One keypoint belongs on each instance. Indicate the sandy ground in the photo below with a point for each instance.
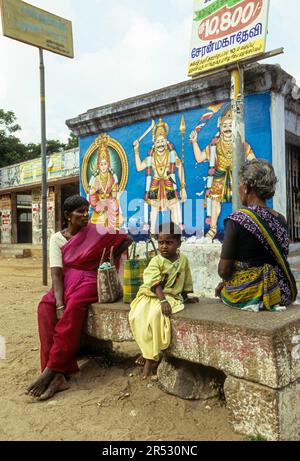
(106, 402)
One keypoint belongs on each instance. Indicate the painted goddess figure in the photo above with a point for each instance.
(161, 189)
(219, 155)
(103, 191)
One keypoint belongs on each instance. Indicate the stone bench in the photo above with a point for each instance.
(259, 354)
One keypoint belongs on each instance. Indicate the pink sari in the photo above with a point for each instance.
(81, 255)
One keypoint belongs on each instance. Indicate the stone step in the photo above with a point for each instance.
(294, 248)
(15, 253)
(17, 246)
(294, 260)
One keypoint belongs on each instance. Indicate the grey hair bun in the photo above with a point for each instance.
(258, 176)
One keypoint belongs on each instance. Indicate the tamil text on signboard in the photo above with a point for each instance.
(28, 24)
(226, 31)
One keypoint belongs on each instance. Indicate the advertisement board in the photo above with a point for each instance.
(226, 31)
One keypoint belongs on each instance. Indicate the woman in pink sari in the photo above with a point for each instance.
(75, 253)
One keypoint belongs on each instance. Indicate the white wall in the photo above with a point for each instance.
(278, 151)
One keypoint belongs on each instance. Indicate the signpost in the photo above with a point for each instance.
(228, 33)
(31, 25)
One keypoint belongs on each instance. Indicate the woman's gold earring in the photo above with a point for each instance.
(69, 219)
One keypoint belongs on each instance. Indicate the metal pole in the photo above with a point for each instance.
(44, 165)
(238, 132)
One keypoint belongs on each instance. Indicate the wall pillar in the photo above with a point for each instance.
(58, 211)
(50, 211)
(260, 411)
(6, 219)
(14, 228)
(278, 151)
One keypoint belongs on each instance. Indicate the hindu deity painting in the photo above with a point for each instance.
(176, 166)
(219, 155)
(161, 164)
(104, 178)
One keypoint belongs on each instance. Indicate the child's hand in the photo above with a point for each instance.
(166, 309)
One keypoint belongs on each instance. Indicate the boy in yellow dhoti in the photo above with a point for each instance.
(167, 280)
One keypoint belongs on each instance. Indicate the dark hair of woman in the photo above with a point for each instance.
(71, 204)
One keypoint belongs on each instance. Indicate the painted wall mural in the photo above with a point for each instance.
(177, 167)
(104, 177)
(161, 164)
(218, 154)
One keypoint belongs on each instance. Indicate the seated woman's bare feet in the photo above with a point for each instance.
(58, 384)
(148, 368)
(140, 361)
(40, 385)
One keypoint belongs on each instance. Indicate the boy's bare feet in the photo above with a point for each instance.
(148, 368)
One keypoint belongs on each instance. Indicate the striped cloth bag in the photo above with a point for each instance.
(133, 272)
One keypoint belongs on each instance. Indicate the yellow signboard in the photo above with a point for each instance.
(29, 24)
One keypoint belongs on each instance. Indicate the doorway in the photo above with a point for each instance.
(293, 191)
(24, 218)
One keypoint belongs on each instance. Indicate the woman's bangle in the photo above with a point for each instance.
(163, 300)
(60, 307)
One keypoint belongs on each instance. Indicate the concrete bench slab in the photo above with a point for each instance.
(258, 352)
(260, 347)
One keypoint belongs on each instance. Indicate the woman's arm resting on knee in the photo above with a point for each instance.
(58, 288)
(225, 269)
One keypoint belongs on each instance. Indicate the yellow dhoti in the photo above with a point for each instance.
(151, 329)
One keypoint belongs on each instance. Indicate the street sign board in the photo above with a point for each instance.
(226, 31)
(31, 25)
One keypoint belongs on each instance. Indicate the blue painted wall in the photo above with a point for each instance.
(258, 135)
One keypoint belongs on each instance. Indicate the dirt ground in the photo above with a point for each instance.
(106, 402)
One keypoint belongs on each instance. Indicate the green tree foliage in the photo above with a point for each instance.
(12, 150)
(52, 146)
(72, 141)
